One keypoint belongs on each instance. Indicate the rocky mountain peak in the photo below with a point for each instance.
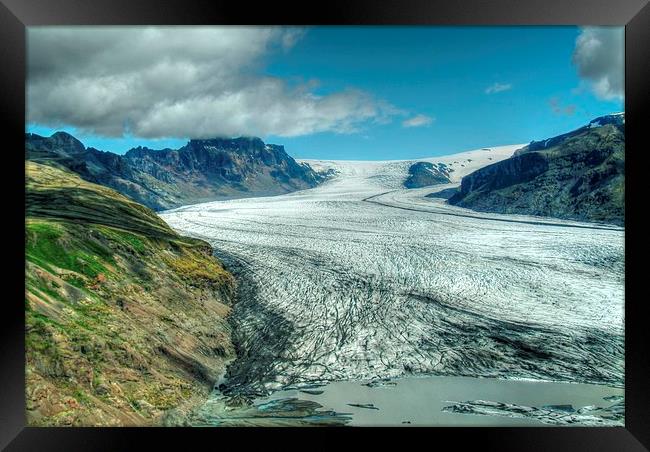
(232, 144)
(65, 139)
(61, 141)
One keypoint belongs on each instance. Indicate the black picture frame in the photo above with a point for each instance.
(15, 15)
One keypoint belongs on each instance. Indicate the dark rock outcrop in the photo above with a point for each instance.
(202, 170)
(579, 175)
(423, 174)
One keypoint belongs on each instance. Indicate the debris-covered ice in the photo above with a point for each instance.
(612, 415)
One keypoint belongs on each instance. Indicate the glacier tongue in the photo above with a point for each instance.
(334, 286)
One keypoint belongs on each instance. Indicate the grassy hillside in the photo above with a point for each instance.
(125, 319)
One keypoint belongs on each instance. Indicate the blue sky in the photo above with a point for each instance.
(460, 88)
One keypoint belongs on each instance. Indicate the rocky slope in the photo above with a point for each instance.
(125, 319)
(202, 170)
(423, 174)
(579, 175)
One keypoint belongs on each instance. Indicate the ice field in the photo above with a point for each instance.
(360, 279)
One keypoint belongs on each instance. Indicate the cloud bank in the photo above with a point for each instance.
(196, 82)
(599, 57)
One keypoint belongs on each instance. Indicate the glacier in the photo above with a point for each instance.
(361, 279)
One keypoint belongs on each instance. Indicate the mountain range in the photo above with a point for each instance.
(202, 170)
(578, 175)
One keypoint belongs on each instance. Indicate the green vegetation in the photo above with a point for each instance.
(57, 194)
(48, 245)
(121, 312)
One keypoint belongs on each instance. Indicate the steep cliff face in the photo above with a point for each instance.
(226, 167)
(512, 171)
(125, 319)
(202, 170)
(579, 175)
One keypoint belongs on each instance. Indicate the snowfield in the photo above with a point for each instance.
(360, 278)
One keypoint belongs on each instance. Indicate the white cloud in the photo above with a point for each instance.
(497, 88)
(599, 57)
(196, 82)
(418, 121)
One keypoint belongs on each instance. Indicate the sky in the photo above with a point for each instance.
(359, 93)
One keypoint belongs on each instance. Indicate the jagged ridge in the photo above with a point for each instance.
(202, 170)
